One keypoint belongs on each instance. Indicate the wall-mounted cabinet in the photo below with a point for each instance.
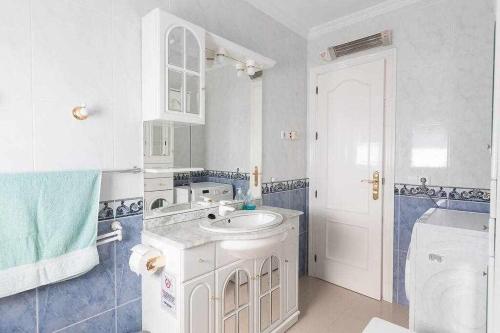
(173, 69)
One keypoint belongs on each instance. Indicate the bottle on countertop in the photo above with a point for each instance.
(248, 204)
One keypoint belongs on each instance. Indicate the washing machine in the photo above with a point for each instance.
(446, 272)
(198, 191)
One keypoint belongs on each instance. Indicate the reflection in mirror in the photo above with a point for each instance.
(175, 89)
(158, 203)
(175, 44)
(192, 94)
(157, 142)
(220, 148)
(192, 52)
(264, 277)
(265, 304)
(230, 295)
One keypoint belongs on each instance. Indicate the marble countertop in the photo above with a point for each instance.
(189, 234)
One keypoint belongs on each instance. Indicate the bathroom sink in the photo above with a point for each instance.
(243, 221)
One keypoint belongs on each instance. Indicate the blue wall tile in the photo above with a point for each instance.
(280, 199)
(67, 302)
(395, 275)
(396, 222)
(103, 323)
(298, 202)
(400, 283)
(410, 209)
(18, 312)
(266, 199)
(128, 284)
(129, 317)
(469, 206)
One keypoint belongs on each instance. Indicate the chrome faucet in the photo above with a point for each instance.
(224, 209)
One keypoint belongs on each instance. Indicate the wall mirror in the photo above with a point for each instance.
(193, 166)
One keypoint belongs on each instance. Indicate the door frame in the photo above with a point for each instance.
(389, 55)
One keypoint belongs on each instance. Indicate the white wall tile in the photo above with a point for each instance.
(16, 139)
(64, 143)
(72, 51)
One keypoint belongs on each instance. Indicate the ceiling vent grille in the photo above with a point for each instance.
(383, 38)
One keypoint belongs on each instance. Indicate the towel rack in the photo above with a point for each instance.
(132, 170)
(115, 235)
(151, 170)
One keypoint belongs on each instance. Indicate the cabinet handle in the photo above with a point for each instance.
(286, 260)
(201, 261)
(213, 298)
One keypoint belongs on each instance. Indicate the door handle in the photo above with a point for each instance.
(256, 175)
(375, 181)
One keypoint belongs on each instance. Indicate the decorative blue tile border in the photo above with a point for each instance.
(120, 208)
(443, 192)
(235, 175)
(284, 185)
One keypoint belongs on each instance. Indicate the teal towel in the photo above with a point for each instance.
(45, 215)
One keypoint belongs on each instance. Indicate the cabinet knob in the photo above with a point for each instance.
(201, 260)
(286, 260)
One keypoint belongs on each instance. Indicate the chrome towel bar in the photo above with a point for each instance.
(115, 235)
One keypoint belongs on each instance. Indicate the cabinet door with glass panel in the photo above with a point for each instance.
(234, 289)
(173, 73)
(269, 292)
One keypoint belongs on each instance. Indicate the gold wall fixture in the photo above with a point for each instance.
(80, 112)
(255, 175)
(375, 181)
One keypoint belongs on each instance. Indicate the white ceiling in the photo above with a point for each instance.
(302, 15)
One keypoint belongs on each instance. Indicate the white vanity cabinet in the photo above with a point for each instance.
(173, 69)
(215, 292)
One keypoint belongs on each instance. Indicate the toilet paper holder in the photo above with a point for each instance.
(155, 262)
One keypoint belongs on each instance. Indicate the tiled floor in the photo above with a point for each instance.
(325, 307)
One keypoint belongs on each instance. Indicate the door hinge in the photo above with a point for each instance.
(316, 136)
(316, 193)
(315, 258)
(316, 90)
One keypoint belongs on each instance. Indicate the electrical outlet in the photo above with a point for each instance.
(289, 135)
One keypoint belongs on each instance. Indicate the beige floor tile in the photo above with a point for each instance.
(326, 307)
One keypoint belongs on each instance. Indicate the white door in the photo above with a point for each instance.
(347, 225)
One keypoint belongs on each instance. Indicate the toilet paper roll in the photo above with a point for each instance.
(145, 259)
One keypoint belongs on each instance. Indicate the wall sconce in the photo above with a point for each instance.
(251, 67)
(240, 70)
(80, 112)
